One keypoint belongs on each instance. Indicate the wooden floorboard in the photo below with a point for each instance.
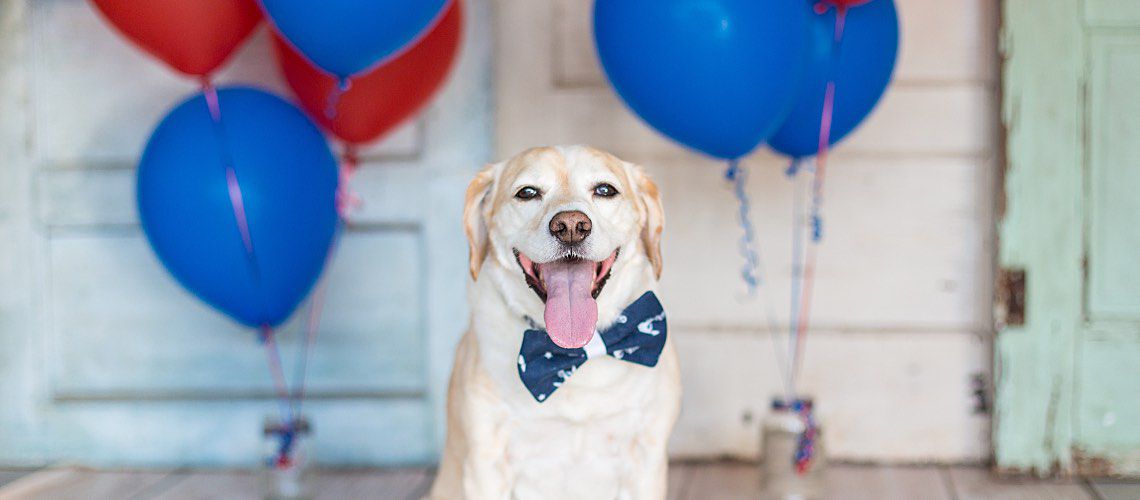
(680, 476)
(197, 485)
(977, 483)
(687, 481)
(72, 483)
(1115, 490)
(7, 476)
(385, 484)
(395, 484)
(864, 482)
(727, 481)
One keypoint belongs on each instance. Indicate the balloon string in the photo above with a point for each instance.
(211, 94)
(288, 419)
(233, 187)
(347, 201)
(747, 246)
(840, 16)
(802, 309)
(797, 272)
(237, 203)
(753, 268)
(840, 22)
(316, 310)
(803, 305)
(239, 208)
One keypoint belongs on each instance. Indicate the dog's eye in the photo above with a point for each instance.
(527, 193)
(605, 190)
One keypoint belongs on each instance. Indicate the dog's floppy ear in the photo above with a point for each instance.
(650, 199)
(474, 224)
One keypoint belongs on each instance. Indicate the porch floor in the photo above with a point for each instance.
(696, 481)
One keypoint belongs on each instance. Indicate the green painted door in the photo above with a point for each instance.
(1068, 368)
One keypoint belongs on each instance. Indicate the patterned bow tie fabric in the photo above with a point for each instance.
(637, 336)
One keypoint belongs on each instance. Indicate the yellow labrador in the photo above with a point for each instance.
(565, 256)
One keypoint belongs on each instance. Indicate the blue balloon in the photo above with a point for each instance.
(346, 37)
(288, 180)
(716, 75)
(861, 64)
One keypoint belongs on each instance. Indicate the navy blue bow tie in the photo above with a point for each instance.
(637, 336)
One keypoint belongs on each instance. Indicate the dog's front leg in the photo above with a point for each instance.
(475, 463)
(487, 471)
(477, 473)
(648, 479)
(487, 476)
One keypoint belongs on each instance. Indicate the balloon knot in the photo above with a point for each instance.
(793, 168)
(732, 171)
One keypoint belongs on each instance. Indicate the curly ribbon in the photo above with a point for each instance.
(805, 446)
(747, 245)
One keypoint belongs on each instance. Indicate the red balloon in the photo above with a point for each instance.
(193, 36)
(378, 100)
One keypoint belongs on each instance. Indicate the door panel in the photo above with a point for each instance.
(106, 360)
(1114, 177)
(1112, 12)
(1108, 417)
(123, 327)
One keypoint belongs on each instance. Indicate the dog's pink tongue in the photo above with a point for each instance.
(571, 313)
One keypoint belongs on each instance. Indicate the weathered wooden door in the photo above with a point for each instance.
(104, 359)
(1068, 353)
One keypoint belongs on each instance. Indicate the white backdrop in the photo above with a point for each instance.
(902, 310)
(103, 359)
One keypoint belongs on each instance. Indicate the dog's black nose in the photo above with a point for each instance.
(570, 227)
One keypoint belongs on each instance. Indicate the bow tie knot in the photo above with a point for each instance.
(637, 336)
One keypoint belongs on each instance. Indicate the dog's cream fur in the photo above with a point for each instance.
(603, 434)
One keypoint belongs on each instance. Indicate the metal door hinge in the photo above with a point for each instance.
(1009, 298)
(980, 389)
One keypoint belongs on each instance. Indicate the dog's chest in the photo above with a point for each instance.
(588, 456)
(597, 424)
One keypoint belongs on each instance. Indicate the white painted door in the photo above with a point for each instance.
(902, 311)
(104, 359)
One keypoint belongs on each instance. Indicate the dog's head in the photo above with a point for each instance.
(562, 221)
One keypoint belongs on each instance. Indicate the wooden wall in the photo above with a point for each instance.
(902, 313)
(902, 317)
